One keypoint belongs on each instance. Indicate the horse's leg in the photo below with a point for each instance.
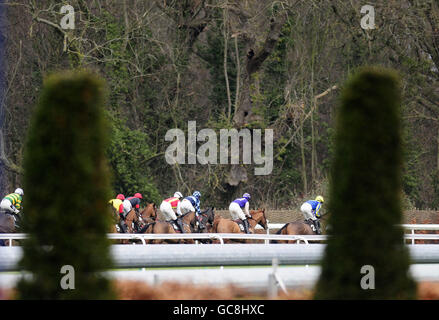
(157, 229)
(236, 229)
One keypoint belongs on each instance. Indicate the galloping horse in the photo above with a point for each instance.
(294, 228)
(149, 213)
(147, 217)
(135, 221)
(207, 218)
(132, 221)
(7, 225)
(188, 219)
(189, 224)
(223, 225)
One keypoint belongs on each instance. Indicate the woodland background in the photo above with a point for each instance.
(226, 64)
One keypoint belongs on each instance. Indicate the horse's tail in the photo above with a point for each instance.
(279, 232)
(143, 230)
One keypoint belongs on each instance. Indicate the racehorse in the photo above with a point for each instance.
(207, 218)
(189, 221)
(149, 213)
(294, 228)
(223, 225)
(136, 220)
(7, 225)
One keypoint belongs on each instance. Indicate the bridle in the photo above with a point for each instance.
(266, 220)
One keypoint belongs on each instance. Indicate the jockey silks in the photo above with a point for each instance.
(15, 199)
(117, 204)
(173, 201)
(241, 202)
(195, 202)
(315, 207)
(135, 202)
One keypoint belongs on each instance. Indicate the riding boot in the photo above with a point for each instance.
(317, 226)
(201, 225)
(123, 226)
(311, 224)
(180, 225)
(246, 226)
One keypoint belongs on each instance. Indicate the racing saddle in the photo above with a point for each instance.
(242, 226)
(315, 225)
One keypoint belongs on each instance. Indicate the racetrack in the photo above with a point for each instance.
(253, 280)
(244, 266)
(184, 255)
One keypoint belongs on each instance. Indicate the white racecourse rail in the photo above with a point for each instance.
(266, 237)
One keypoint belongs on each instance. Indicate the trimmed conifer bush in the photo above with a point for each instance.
(365, 194)
(66, 182)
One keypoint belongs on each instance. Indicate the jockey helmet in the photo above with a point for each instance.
(138, 195)
(247, 196)
(19, 191)
(120, 196)
(320, 199)
(197, 194)
(178, 194)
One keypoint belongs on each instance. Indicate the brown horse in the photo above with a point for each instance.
(149, 213)
(294, 228)
(7, 225)
(146, 217)
(223, 225)
(207, 218)
(189, 225)
(136, 220)
(133, 222)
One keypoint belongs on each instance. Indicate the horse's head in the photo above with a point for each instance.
(150, 212)
(210, 215)
(259, 217)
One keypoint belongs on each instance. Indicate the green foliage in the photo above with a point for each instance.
(162, 73)
(67, 189)
(365, 193)
(213, 54)
(435, 183)
(274, 76)
(128, 155)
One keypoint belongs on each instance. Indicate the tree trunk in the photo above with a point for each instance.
(225, 34)
(244, 114)
(302, 153)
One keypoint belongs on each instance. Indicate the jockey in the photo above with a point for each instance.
(117, 203)
(311, 211)
(127, 207)
(12, 202)
(192, 204)
(135, 201)
(236, 211)
(169, 207)
(118, 206)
